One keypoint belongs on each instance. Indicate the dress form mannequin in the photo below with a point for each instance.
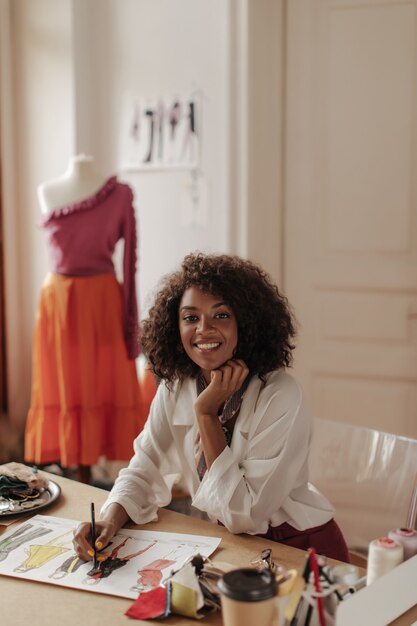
(79, 182)
(86, 402)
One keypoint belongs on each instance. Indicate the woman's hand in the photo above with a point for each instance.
(224, 382)
(114, 518)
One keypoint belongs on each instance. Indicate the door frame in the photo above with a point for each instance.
(257, 121)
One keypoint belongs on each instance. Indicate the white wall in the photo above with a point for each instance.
(72, 63)
(65, 69)
(37, 116)
(158, 48)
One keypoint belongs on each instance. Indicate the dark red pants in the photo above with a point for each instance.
(327, 539)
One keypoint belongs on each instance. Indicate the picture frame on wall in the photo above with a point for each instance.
(160, 133)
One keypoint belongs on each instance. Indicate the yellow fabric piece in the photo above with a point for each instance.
(285, 586)
(294, 598)
(183, 600)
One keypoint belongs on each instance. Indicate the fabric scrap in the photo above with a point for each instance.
(150, 604)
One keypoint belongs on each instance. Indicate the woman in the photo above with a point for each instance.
(227, 418)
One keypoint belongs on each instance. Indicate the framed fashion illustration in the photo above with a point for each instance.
(160, 133)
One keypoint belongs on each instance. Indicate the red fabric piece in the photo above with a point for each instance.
(149, 605)
(327, 539)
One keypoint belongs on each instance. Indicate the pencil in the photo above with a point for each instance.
(93, 535)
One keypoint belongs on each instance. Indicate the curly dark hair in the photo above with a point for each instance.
(266, 325)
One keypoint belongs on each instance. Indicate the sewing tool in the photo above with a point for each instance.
(93, 535)
(358, 585)
(383, 555)
(264, 560)
(407, 537)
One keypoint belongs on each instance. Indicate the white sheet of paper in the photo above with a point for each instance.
(41, 549)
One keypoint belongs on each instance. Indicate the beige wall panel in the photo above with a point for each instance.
(363, 316)
(369, 131)
(350, 200)
(352, 358)
(380, 272)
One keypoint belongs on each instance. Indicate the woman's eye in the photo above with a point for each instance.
(190, 318)
(222, 316)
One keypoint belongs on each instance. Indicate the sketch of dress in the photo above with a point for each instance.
(190, 135)
(39, 555)
(69, 566)
(151, 575)
(19, 537)
(107, 567)
(41, 549)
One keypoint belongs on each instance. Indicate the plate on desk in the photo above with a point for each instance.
(46, 497)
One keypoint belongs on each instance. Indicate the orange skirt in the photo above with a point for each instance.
(86, 399)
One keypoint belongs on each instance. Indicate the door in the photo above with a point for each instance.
(351, 207)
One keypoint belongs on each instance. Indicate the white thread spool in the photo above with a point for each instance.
(345, 574)
(408, 539)
(384, 554)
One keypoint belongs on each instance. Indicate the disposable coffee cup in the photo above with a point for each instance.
(248, 597)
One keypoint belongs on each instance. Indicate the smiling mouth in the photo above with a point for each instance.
(208, 346)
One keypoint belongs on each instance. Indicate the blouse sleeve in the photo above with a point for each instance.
(245, 494)
(131, 315)
(146, 484)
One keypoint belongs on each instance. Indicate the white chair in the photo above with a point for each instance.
(368, 476)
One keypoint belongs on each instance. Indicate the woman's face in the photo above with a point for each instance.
(208, 329)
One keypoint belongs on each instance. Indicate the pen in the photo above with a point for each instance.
(93, 535)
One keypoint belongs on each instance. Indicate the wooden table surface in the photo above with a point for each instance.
(29, 603)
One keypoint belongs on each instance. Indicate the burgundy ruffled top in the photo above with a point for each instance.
(81, 239)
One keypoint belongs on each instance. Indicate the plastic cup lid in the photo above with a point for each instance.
(248, 585)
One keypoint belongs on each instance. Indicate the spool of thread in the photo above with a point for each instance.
(408, 539)
(345, 574)
(384, 554)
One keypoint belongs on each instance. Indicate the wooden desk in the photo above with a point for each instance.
(28, 603)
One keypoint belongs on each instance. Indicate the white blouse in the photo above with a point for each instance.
(260, 480)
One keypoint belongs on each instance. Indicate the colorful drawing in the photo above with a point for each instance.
(18, 538)
(151, 575)
(138, 560)
(160, 133)
(40, 554)
(67, 567)
(105, 568)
